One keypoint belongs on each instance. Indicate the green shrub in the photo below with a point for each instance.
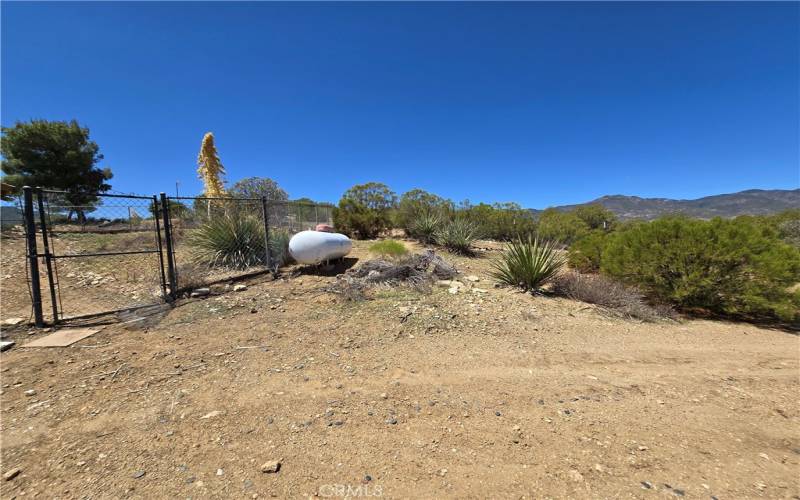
(417, 203)
(562, 227)
(232, 241)
(585, 254)
(425, 227)
(736, 267)
(457, 236)
(389, 248)
(365, 210)
(501, 221)
(528, 263)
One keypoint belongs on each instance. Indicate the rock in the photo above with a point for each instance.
(384, 396)
(13, 321)
(271, 467)
(391, 420)
(479, 290)
(139, 474)
(6, 345)
(200, 292)
(30, 392)
(472, 278)
(643, 448)
(212, 414)
(239, 288)
(442, 472)
(8, 476)
(220, 472)
(453, 290)
(764, 456)
(646, 485)
(575, 476)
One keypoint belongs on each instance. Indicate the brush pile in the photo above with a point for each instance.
(417, 271)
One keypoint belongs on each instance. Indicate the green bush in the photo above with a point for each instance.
(735, 267)
(501, 221)
(389, 248)
(457, 236)
(562, 227)
(586, 253)
(417, 203)
(528, 263)
(231, 241)
(365, 210)
(425, 227)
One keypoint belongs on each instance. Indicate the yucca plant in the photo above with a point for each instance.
(231, 241)
(424, 228)
(528, 263)
(457, 236)
(279, 248)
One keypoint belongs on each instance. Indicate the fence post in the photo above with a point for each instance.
(160, 251)
(173, 281)
(265, 211)
(33, 262)
(48, 257)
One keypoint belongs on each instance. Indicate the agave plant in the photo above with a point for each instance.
(458, 236)
(231, 241)
(528, 263)
(425, 227)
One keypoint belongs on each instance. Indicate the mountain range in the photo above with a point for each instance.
(750, 202)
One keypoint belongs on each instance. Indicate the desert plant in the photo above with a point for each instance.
(528, 263)
(586, 253)
(364, 210)
(232, 241)
(457, 236)
(612, 295)
(425, 226)
(736, 267)
(279, 248)
(389, 248)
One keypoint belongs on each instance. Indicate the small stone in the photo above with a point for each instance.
(271, 467)
(764, 456)
(220, 472)
(367, 478)
(212, 414)
(442, 472)
(575, 476)
(646, 485)
(643, 448)
(8, 476)
(13, 321)
(472, 278)
(391, 420)
(239, 288)
(30, 392)
(384, 396)
(497, 413)
(200, 292)
(138, 474)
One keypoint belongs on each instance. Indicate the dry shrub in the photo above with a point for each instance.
(416, 271)
(612, 295)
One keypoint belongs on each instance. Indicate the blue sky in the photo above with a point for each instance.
(539, 103)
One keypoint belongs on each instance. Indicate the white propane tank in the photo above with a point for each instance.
(313, 247)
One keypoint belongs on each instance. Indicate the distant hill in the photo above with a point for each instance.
(750, 202)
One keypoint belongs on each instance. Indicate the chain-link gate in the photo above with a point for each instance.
(92, 254)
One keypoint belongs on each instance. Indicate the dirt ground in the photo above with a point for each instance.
(484, 393)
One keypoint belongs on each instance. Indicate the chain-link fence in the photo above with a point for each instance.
(91, 254)
(217, 239)
(97, 253)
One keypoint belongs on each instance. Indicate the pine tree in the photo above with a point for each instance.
(210, 168)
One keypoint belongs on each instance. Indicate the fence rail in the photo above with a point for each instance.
(120, 252)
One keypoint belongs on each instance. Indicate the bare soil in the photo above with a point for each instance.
(485, 393)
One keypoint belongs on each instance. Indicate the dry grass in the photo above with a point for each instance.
(610, 294)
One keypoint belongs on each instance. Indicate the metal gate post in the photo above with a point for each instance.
(33, 262)
(265, 211)
(48, 258)
(173, 281)
(160, 250)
